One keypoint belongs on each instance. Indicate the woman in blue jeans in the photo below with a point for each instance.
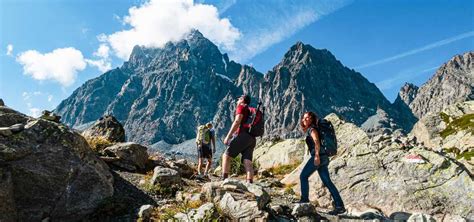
(319, 161)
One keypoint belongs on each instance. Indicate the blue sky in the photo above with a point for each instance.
(49, 48)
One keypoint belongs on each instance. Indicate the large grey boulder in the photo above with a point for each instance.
(165, 177)
(49, 171)
(108, 128)
(238, 200)
(130, 156)
(272, 154)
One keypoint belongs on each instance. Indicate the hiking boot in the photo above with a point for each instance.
(337, 211)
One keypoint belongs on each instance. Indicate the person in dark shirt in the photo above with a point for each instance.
(239, 141)
(319, 161)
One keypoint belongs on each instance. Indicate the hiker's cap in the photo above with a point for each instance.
(246, 98)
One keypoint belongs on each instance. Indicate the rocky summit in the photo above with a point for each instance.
(452, 83)
(163, 94)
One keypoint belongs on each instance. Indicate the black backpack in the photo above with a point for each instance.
(255, 121)
(327, 137)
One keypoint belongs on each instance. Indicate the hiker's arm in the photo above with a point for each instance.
(314, 135)
(234, 127)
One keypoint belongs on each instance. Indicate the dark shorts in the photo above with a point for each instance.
(244, 143)
(204, 151)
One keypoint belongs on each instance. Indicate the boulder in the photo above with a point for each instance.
(2, 103)
(130, 156)
(419, 217)
(145, 212)
(182, 166)
(272, 154)
(165, 176)
(206, 212)
(238, 200)
(108, 128)
(53, 172)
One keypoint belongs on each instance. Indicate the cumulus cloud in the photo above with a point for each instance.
(104, 63)
(159, 21)
(60, 65)
(9, 50)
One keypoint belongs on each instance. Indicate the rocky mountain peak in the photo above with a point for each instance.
(453, 82)
(301, 53)
(408, 92)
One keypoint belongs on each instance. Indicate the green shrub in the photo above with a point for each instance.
(97, 144)
(444, 117)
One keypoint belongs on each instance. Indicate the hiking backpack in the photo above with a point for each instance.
(203, 135)
(255, 121)
(327, 137)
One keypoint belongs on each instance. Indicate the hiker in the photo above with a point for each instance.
(319, 161)
(204, 140)
(239, 140)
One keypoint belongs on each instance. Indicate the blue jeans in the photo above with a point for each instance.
(323, 172)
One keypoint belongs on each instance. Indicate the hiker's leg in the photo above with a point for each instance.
(199, 165)
(225, 165)
(247, 155)
(249, 169)
(208, 165)
(307, 171)
(324, 175)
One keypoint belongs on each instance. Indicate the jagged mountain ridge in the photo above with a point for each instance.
(164, 93)
(452, 83)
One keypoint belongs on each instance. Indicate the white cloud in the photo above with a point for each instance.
(9, 50)
(104, 63)
(401, 77)
(267, 24)
(50, 98)
(102, 51)
(418, 50)
(101, 64)
(60, 65)
(159, 21)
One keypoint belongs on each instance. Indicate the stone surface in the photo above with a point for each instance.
(238, 200)
(272, 154)
(107, 127)
(131, 156)
(165, 176)
(145, 211)
(204, 213)
(50, 159)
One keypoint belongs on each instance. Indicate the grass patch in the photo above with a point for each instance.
(466, 154)
(289, 189)
(284, 169)
(168, 212)
(465, 122)
(444, 117)
(97, 144)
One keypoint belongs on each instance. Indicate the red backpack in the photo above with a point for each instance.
(255, 121)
